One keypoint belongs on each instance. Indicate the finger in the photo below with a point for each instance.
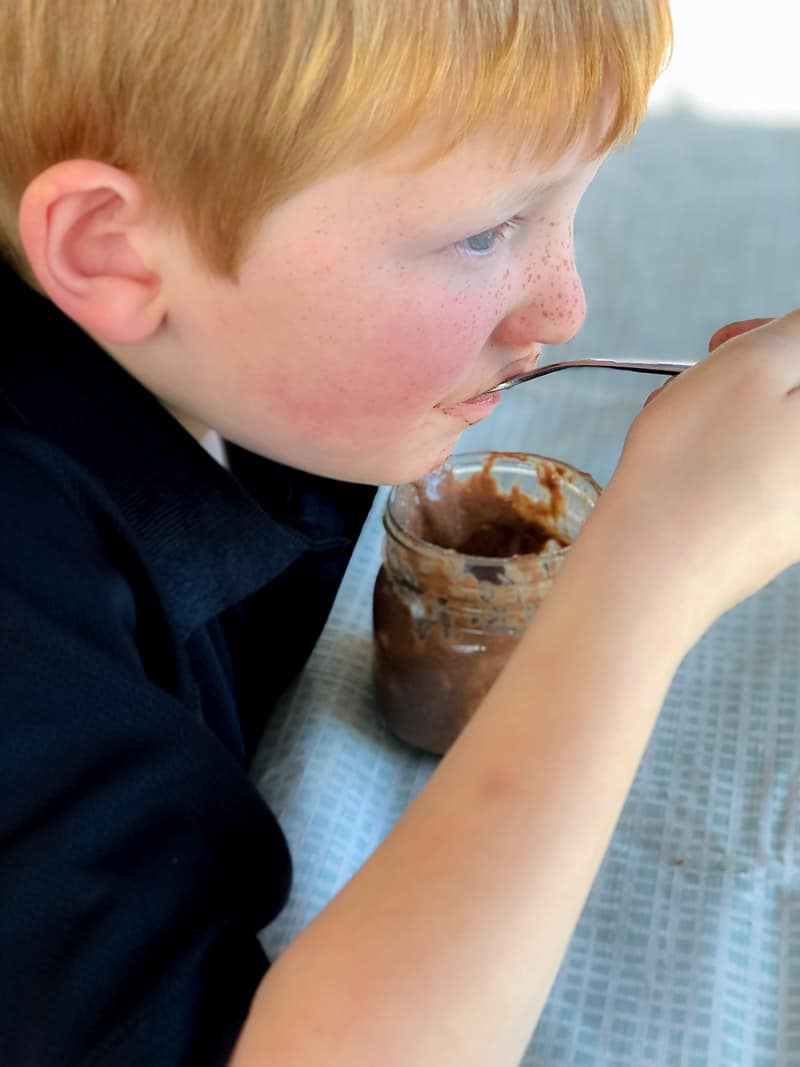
(656, 392)
(778, 339)
(734, 329)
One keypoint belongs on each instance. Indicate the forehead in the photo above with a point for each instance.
(492, 155)
(416, 188)
(481, 171)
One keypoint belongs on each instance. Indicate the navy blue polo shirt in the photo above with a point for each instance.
(152, 607)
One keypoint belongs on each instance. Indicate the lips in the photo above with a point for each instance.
(508, 374)
(473, 410)
(479, 405)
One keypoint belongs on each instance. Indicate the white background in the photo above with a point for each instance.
(738, 59)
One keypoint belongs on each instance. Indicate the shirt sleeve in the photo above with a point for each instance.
(137, 862)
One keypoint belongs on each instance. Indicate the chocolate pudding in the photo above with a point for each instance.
(469, 553)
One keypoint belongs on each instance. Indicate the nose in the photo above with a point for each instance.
(551, 305)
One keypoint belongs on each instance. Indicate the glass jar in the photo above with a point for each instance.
(469, 553)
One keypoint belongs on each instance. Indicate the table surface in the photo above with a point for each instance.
(688, 950)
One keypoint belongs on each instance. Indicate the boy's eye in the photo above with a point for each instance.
(481, 242)
(485, 242)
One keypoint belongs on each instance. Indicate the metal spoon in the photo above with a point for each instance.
(671, 368)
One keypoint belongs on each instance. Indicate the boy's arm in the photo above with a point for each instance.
(442, 949)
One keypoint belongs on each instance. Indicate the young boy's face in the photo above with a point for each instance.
(375, 306)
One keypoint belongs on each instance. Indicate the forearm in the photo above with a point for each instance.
(443, 947)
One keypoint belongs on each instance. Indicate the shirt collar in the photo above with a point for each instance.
(206, 542)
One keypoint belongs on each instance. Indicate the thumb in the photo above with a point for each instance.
(733, 329)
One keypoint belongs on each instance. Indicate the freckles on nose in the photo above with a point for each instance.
(552, 305)
(565, 304)
(560, 297)
(553, 319)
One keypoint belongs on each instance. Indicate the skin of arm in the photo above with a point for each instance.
(443, 948)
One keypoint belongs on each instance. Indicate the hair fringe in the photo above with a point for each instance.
(226, 109)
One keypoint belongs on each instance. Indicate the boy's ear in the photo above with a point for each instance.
(83, 225)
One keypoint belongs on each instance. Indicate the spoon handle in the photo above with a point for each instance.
(641, 366)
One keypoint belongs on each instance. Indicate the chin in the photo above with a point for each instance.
(410, 470)
(395, 465)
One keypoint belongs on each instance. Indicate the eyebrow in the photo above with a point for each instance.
(523, 192)
(505, 203)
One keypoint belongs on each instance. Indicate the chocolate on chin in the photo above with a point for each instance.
(469, 553)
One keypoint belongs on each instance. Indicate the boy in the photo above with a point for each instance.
(323, 229)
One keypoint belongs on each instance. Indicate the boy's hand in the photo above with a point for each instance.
(709, 479)
(723, 334)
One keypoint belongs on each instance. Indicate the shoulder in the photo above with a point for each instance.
(40, 481)
(60, 550)
(116, 796)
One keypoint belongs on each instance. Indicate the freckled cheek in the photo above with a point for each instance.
(414, 356)
(346, 356)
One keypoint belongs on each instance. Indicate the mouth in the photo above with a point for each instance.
(479, 405)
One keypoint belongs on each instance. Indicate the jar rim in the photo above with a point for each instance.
(396, 530)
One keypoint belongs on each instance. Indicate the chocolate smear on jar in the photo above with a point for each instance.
(466, 563)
